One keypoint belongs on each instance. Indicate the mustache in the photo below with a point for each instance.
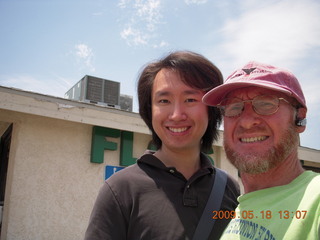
(242, 130)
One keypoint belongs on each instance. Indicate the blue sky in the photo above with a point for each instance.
(47, 46)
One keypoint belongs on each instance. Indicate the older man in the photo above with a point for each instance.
(264, 112)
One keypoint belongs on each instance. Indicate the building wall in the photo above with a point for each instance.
(50, 180)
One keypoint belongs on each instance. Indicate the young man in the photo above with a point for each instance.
(264, 111)
(163, 195)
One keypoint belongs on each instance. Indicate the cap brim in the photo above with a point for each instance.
(216, 95)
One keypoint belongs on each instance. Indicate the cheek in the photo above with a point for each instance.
(228, 130)
(158, 116)
(280, 122)
(154, 113)
(228, 126)
(158, 112)
(201, 112)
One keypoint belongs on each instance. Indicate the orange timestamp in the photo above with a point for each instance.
(264, 214)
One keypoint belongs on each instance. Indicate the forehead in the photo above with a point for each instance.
(169, 81)
(251, 92)
(166, 77)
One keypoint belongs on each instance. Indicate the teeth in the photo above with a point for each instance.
(253, 139)
(178, 130)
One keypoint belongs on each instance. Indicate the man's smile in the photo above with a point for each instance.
(177, 130)
(253, 139)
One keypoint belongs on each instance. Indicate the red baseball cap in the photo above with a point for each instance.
(255, 74)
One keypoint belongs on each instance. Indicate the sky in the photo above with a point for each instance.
(47, 46)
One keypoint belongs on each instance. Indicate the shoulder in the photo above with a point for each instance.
(122, 187)
(138, 177)
(312, 183)
(309, 180)
(129, 174)
(146, 166)
(315, 177)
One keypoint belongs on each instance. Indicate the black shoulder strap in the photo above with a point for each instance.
(213, 204)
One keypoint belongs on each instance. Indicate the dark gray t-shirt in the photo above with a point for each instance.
(151, 201)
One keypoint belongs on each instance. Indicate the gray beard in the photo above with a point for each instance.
(255, 162)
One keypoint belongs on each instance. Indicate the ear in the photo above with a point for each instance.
(300, 115)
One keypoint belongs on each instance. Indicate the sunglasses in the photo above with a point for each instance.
(262, 105)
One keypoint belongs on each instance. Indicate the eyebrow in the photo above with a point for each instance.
(168, 93)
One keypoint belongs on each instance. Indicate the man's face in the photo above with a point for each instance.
(256, 143)
(179, 117)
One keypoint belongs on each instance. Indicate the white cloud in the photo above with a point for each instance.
(97, 13)
(311, 92)
(276, 31)
(83, 51)
(198, 2)
(142, 21)
(161, 44)
(85, 55)
(282, 33)
(123, 3)
(134, 36)
(149, 12)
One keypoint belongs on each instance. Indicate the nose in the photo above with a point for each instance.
(178, 112)
(249, 118)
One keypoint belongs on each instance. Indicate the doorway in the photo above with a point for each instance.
(5, 141)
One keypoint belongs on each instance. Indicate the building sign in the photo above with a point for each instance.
(100, 144)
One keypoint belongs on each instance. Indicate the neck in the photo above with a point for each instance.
(282, 174)
(186, 162)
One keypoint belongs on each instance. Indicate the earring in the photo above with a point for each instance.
(301, 122)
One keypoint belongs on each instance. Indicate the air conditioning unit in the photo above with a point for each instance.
(126, 102)
(96, 90)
